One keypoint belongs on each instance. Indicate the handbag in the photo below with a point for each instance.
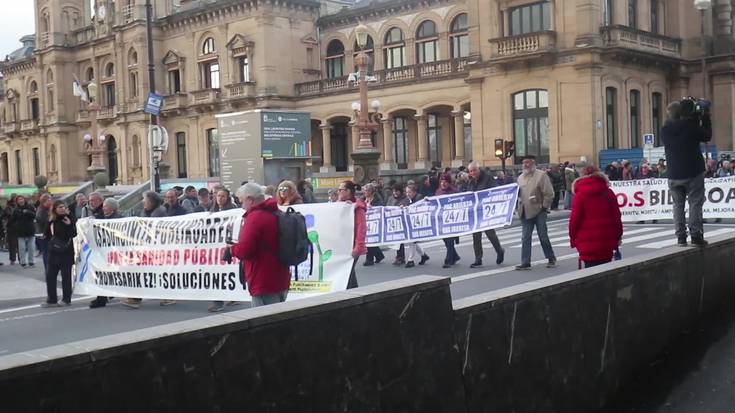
(57, 245)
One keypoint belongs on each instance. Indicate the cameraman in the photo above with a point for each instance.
(687, 126)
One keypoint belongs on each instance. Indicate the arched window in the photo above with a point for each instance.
(33, 87)
(459, 38)
(531, 124)
(208, 46)
(134, 84)
(110, 70)
(50, 100)
(90, 74)
(335, 59)
(427, 42)
(50, 76)
(132, 57)
(369, 50)
(394, 48)
(611, 117)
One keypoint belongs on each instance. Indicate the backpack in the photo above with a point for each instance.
(293, 240)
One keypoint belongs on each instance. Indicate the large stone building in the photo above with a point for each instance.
(563, 78)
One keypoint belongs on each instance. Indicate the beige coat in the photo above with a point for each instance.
(534, 193)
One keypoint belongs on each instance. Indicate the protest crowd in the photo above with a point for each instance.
(42, 228)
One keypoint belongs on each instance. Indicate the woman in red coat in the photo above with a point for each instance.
(346, 192)
(595, 228)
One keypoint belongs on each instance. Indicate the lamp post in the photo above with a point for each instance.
(94, 144)
(156, 149)
(365, 156)
(703, 6)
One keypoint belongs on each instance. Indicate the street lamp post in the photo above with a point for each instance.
(365, 156)
(155, 150)
(93, 144)
(703, 6)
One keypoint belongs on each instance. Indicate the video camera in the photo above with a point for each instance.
(695, 108)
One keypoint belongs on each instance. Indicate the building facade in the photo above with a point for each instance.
(563, 79)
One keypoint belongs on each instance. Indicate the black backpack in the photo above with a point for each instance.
(293, 240)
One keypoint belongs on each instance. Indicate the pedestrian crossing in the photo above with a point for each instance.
(646, 237)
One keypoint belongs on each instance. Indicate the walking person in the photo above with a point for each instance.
(42, 214)
(445, 188)
(595, 227)
(60, 232)
(570, 175)
(535, 195)
(481, 180)
(347, 194)
(557, 182)
(682, 134)
(413, 249)
(268, 280)
(110, 208)
(398, 199)
(374, 254)
(11, 232)
(24, 217)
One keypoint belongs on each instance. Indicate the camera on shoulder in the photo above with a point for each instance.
(695, 108)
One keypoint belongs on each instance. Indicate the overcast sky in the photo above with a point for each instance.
(15, 22)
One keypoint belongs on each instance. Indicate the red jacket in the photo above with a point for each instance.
(594, 225)
(358, 244)
(257, 247)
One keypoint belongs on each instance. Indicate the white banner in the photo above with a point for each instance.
(180, 258)
(649, 199)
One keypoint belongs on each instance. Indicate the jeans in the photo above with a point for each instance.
(267, 299)
(539, 221)
(374, 254)
(412, 250)
(59, 263)
(555, 202)
(42, 245)
(477, 242)
(452, 256)
(681, 190)
(27, 247)
(568, 198)
(12, 247)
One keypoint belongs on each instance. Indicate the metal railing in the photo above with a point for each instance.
(85, 188)
(131, 204)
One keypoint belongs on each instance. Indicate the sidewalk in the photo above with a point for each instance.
(18, 283)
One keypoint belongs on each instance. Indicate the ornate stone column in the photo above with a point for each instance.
(388, 144)
(326, 148)
(458, 117)
(421, 141)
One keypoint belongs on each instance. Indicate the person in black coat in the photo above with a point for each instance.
(480, 180)
(682, 135)
(173, 208)
(24, 222)
(374, 254)
(60, 232)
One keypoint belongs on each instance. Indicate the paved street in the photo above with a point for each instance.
(23, 325)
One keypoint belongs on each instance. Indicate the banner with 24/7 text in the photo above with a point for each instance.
(649, 199)
(180, 258)
(442, 216)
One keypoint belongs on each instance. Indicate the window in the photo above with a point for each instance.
(34, 109)
(434, 135)
(50, 100)
(656, 100)
(18, 167)
(208, 46)
(400, 140)
(531, 124)
(90, 74)
(635, 118)
(632, 13)
(654, 17)
(210, 75)
(34, 87)
(530, 19)
(339, 146)
(607, 12)
(4, 169)
(369, 50)
(467, 135)
(36, 162)
(110, 95)
(134, 85)
(213, 152)
(110, 70)
(50, 76)
(335, 59)
(459, 38)
(394, 48)
(52, 158)
(427, 42)
(136, 150)
(244, 69)
(174, 81)
(611, 116)
(181, 154)
(133, 58)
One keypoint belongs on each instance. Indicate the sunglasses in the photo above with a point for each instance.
(283, 189)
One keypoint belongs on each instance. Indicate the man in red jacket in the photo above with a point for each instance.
(268, 280)
(595, 228)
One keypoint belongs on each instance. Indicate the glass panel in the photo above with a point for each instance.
(181, 154)
(467, 139)
(213, 152)
(536, 22)
(214, 75)
(431, 55)
(532, 138)
(525, 20)
(515, 22)
(543, 99)
(518, 101)
(543, 124)
(635, 98)
(519, 132)
(464, 46)
(531, 99)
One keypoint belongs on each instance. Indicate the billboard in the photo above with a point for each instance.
(286, 134)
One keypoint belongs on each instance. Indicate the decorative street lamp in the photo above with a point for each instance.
(703, 6)
(365, 155)
(93, 144)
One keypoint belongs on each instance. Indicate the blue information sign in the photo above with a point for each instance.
(153, 104)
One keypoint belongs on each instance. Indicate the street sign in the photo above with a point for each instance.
(153, 104)
(648, 140)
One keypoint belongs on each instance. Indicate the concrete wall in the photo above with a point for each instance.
(563, 344)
